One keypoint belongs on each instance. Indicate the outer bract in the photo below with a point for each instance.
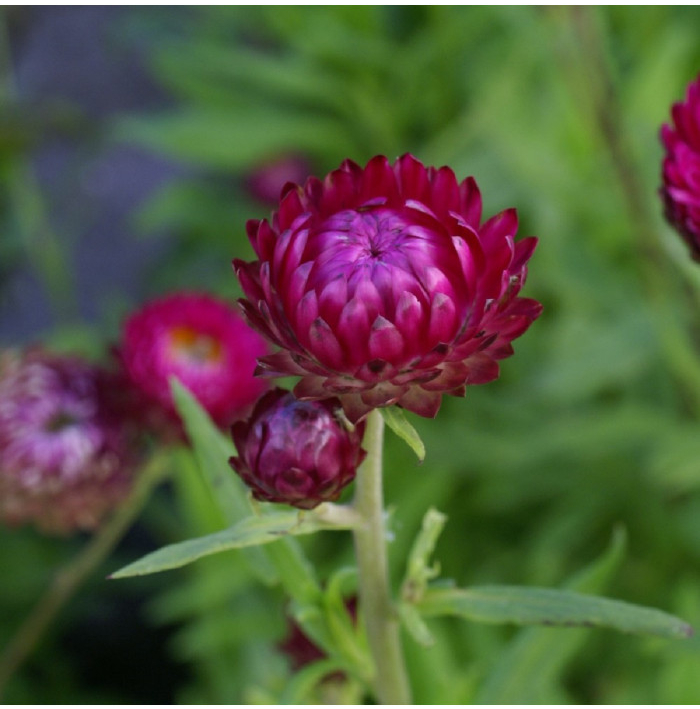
(65, 455)
(203, 342)
(681, 168)
(296, 452)
(382, 286)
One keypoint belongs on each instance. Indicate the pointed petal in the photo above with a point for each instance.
(385, 341)
(324, 345)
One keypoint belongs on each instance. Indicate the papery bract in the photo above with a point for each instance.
(296, 452)
(203, 342)
(66, 453)
(681, 168)
(382, 286)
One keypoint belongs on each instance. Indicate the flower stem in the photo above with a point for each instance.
(380, 617)
(68, 579)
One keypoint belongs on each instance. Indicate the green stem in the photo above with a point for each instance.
(380, 616)
(68, 579)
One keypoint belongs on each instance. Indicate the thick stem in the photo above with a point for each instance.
(381, 620)
(67, 580)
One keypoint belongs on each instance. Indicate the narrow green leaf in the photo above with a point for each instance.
(300, 688)
(212, 450)
(544, 606)
(528, 668)
(250, 532)
(396, 420)
(415, 625)
(418, 572)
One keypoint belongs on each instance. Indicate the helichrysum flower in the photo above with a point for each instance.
(203, 342)
(681, 168)
(382, 286)
(65, 451)
(296, 452)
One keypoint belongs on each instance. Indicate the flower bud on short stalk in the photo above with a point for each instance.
(296, 452)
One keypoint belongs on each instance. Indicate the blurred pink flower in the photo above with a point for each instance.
(66, 453)
(265, 182)
(681, 168)
(203, 342)
(296, 452)
(382, 286)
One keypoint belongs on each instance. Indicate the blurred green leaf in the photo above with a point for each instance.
(526, 670)
(527, 606)
(214, 139)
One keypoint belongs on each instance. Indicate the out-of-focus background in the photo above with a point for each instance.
(132, 146)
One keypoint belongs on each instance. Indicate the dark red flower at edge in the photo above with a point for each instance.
(681, 168)
(381, 286)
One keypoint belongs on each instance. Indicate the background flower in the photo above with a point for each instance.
(296, 452)
(204, 343)
(681, 168)
(383, 287)
(66, 456)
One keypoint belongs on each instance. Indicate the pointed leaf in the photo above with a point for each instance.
(544, 606)
(212, 450)
(528, 669)
(396, 420)
(250, 532)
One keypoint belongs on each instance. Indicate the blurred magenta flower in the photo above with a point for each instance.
(681, 168)
(203, 342)
(296, 452)
(265, 182)
(382, 286)
(66, 453)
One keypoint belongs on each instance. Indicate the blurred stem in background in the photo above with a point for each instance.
(68, 580)
(588, 59)
(28, 213)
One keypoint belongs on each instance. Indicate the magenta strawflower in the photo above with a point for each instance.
(296, 452)
(681, 168)
(382, 286)
(66, 453)
(203, 342)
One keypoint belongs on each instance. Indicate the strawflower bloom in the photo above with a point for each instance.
(296, 452)
(66, 454)
(203, 342)
(681, 168)
(381, 286)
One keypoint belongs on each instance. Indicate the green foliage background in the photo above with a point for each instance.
(593, 426)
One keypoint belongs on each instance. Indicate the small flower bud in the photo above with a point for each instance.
(296, 452)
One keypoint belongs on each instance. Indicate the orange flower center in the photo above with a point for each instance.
(195, 346)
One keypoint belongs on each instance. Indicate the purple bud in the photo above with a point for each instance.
(296, 452)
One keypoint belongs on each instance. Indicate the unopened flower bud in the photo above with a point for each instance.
(296, 452)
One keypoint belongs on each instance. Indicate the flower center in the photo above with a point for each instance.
(60, 421)
(353, 240)
(194, 346)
